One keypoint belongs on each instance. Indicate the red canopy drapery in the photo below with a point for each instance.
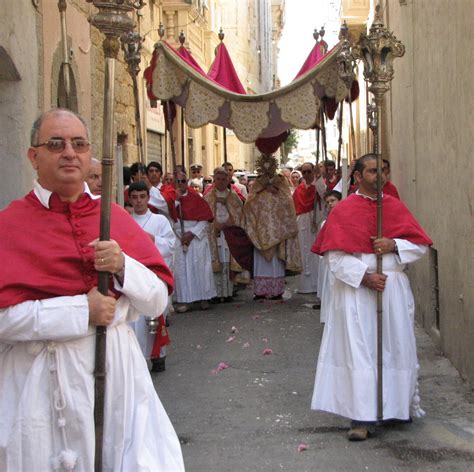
(223, 71)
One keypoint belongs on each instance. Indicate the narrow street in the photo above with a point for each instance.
(253, 415)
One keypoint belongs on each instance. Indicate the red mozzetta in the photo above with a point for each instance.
(48, 253)
(303, 198)
(353, 222)
(195, 208)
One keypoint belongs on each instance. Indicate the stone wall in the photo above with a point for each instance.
(429, 132)
(20, 25)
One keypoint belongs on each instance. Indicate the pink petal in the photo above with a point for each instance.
(265, 340)
(246, 345)
(302, 447)
(267, 351)
(234, 330)
(232, 338)
(222, 366)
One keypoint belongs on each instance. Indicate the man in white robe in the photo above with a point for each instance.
(49, 310)
(325, 276)
(192, 264)
(346, 376)
(160, 232)
(310, 211)
(152, 179)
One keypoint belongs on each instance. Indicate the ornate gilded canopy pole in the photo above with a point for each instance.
(132, 46)
(317, 128)
(182, 40)
(113, 19)
(221, 36)
(345, 63)
(377, 51)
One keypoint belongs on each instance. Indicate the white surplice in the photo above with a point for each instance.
(157, 200)
(308, 279)
(165, 241)
(194, 279)
(47, 351)
(324, 285)
(308, 224)
(346, 375)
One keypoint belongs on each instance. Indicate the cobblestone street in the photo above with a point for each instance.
(253, 415)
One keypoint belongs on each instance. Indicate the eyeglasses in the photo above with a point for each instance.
(181, 181)
(59, 144)
(207, 181)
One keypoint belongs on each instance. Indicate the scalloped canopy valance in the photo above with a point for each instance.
(267, 115)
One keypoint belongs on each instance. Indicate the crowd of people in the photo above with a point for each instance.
(190, 240)
(282, 214)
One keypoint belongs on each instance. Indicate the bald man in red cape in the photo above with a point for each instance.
(50, 306)
(346, 376)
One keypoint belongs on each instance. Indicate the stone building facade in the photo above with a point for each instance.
(31, 54)
(427, 135)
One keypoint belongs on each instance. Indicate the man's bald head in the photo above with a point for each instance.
(94, 179)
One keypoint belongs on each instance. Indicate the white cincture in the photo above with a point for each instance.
(66, 458)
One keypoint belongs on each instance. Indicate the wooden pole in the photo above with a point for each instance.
(323, 132)
(377, 152)
(112, 19)
(377, 49)
(62, 6)
(183, 156)
(173, 156)
(103, 284)
(225, 144)
(339, 143)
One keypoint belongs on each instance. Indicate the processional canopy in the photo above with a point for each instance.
(297, 105)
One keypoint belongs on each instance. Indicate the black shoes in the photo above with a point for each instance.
(158, 365)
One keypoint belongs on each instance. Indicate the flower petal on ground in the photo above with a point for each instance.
(302, 447)
(267, 351)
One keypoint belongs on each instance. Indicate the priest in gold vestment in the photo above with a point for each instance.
(269, 219)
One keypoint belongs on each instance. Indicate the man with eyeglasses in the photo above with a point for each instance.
(50, 307)
(309, 206)
(227, 209)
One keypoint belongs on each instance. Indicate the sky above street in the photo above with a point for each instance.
(301, 18)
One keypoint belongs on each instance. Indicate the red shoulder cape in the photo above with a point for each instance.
(303, 198)
(331, 185)
(194, 207)
(47, 249)
(352, 222)
(390, 189)
(169, 194)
